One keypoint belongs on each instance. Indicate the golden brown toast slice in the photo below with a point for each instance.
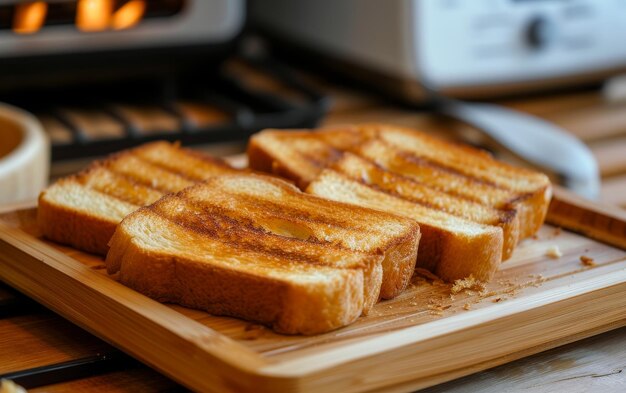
(256, 247)
(532, 190)
(278, 207)
(299, 155)
(451, 247)
(456, 169)
(461, 181)
(83, 210)
(367, 172)
(407, 164)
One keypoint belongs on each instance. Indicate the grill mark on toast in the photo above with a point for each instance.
(207, 159)
(165, 188)
(82, 181)
(425, 162)
(244, 235)
(470, 161)
(270, 259)
(140, 181)
(407, 157)
(235, 215)
(116, 158)
(130, 197)
(516, 197)
(319, 226)
(275, 210)
(333, 155)
(501, 216)
(172, 171)
(278, 210)
(181, 173)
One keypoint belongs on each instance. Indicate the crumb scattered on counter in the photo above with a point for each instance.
(467, 306)
(434, 307)
(554, 252)
(497, 300)
(484, 293)
(467, 284)
(587, 261)
(557, 231)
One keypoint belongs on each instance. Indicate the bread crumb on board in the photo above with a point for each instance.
(554, 252)
(484, 293)
(587, 261)
(467, 306)
(467, 284)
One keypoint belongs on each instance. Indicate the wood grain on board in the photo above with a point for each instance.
(594, 364)
(35, 340)
(136, 380)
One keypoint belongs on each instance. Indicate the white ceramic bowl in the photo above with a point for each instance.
(24, 155)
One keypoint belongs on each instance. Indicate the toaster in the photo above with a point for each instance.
(89, 39)
(462, 48)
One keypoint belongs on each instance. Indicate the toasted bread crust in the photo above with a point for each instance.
(399, 263)
(450, 254)
(452, 257)
(261, 159)
(533, 209)
(281, 305)
(61, 224)
(266, 156)
(77, 226)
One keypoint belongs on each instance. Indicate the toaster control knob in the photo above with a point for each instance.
(540, 32)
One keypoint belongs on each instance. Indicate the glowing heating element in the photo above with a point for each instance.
(94, 15)
(128, 15)
(29, 17)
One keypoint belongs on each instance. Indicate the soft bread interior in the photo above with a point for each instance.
(446, 239)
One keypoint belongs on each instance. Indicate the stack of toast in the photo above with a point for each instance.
(472, 209)
(256, 247)
(369, 204)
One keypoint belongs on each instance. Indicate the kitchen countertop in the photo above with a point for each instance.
(33, 336)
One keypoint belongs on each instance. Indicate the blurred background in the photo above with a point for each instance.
(525, 79)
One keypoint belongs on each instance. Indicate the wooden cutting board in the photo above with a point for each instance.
(426, 336)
